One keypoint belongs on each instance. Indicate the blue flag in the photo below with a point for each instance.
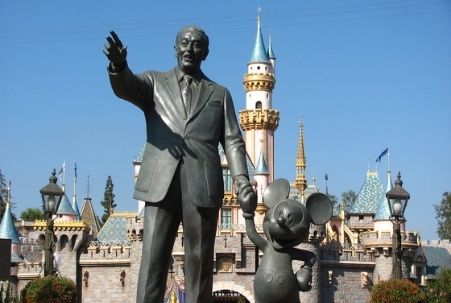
(381, 155)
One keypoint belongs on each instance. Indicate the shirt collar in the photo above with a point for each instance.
(196, 77)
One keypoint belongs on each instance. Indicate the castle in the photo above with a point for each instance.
(353, 249)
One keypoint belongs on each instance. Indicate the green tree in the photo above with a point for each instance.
(349, 197)
(333, 199)
(108, 199)
(443, 215)
(31, 214)
(439, 290)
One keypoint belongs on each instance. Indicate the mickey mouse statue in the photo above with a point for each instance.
(286, 225)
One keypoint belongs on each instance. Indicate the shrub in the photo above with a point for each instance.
(49, 289)
(397, 291)
(439, 290)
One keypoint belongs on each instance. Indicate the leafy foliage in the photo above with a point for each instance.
(49, 289)
(5, 293)
(32, 214)
(439, 290)
(397, 291)
(349, 197)
(333, 199)
(108, 199)
(443, 215)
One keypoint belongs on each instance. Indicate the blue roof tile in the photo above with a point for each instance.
(437, 258)
(259, 53)
(65, 207)
(370, 197)
(7, 228)
(114, 229)
(261, 168)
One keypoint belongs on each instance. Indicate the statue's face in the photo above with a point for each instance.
(191, 49)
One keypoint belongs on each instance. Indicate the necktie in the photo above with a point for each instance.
(187, 92)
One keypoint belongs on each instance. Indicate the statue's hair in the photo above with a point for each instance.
(195, 29)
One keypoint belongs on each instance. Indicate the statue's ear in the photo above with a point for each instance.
(276, 192)
(319, 207)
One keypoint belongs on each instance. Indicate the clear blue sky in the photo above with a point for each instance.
(363, 75)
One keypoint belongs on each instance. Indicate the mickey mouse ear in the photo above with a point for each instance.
(319, 207)
(276, 192)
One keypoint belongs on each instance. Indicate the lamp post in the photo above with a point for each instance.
(397, 201)
(51, 198)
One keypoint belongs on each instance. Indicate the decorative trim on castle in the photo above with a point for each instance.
(259, 119)
(62, 225)
(259, 82)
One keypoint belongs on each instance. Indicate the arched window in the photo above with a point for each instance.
(258, 105)
(63, 242)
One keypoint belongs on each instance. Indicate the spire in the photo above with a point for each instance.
(271, 54)
(7, 228)
(259, 53)
(74, 195)
(261, 168)
(301, 181)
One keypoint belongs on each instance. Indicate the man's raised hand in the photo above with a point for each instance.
(115, 51)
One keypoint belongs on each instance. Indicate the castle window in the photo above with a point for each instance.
(266, 68)
(258, 67)
(226, 218)
(258, 105)
(227, 179)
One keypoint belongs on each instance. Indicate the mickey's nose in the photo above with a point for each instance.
(281, 220)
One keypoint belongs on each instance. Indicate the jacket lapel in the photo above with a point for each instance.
(174, 91)
(204, 92)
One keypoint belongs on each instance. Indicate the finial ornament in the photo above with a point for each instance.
(53, 177)
(398, 181)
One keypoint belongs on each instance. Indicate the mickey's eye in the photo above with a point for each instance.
(290, 219)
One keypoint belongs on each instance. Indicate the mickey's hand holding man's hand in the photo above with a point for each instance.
(246, 196)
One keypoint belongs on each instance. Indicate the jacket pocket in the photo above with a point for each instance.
(146, 173)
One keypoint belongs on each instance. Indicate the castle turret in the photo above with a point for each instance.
(9, 231)
(259, 120)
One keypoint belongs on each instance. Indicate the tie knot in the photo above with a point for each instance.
(188, 79)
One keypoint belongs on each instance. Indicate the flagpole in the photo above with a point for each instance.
(388, 160)
(64, 176)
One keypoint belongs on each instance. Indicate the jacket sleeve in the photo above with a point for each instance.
(232, 140)
(136, 89)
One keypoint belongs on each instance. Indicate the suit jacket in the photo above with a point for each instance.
(174, 138)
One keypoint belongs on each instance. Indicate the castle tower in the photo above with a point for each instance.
(9, 231)
(259, 120)
(301, 180)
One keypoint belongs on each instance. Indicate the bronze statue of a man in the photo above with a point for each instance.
(187, 116)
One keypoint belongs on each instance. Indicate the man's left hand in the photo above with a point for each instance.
(246, 195)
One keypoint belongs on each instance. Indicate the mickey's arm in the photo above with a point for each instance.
(304, 274)
(252, 232)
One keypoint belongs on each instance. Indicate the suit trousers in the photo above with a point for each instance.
(161, 222)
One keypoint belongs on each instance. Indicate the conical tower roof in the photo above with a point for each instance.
(76, 209)
(65, 207)
(370, 196)
(383, 212)
(271, 54)
(261, 168)
(7, 228)
(259, 54)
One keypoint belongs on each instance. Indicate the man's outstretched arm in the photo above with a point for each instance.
(134, 88)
